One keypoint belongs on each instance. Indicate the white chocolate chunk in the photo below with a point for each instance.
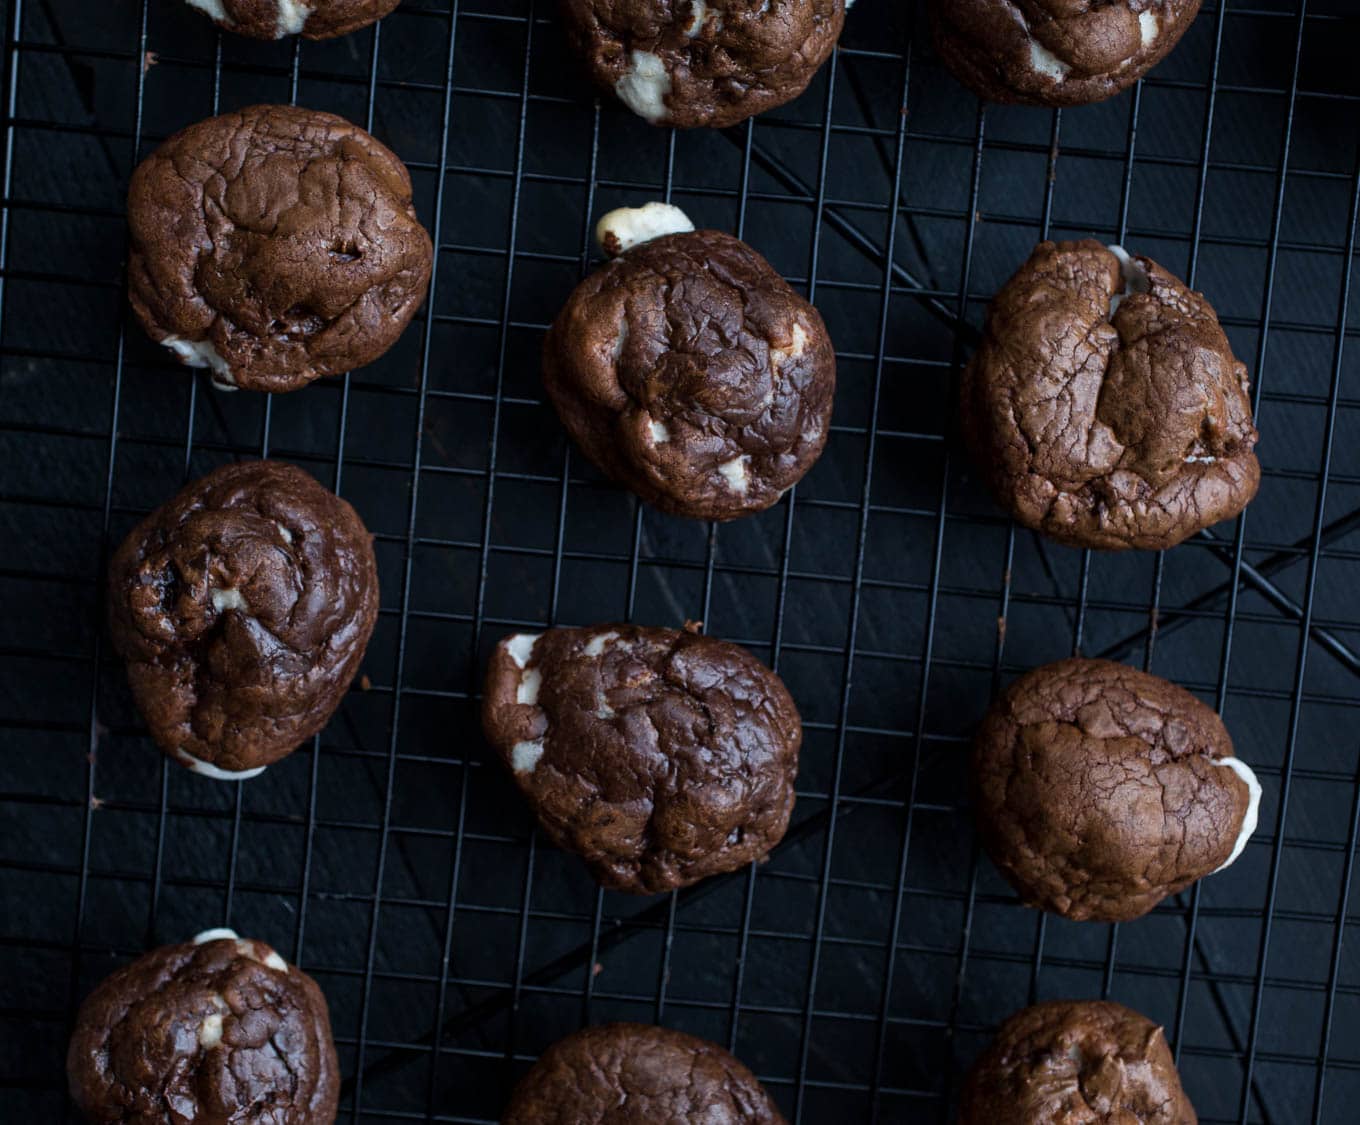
(1147, 27)
(525, 755)
(660, 432)
(212, 8)
(1135, 274)
(632, 226)
(284, 533)
(616, 351)
(1249, 818)
(229, 599)
(271, 959)
(1200, 459)
(599, 642)
(1046, 62)
(292, 18)
(521, 647)
(698, 10)
(734, 473)
(644, 87)
(222, 933)
(210, 1031)
(201, 353)
(207, 769)
(529, 682)
(780, 356)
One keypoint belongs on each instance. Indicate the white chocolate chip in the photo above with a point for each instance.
(525, 755)
(780, 356)
(520, 646)
(1135, 275)
(698, 10)
(210, 1031)
(212, 8)
(734, 473)
(644, 87)
(1147, 26)
(201, 353)
(229, 598)
(207, 769)
(632, 226)
(1046, 62)
(599, 642)
(271, 959)
(1249, 818)
(292, 18)
(660, 432)
(530, 680)
(284, 533)
(222, 933)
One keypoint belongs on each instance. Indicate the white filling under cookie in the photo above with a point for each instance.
(734, 473)
(201, 353)
(1249, 818)
(292, 18)
(1135, 275)
(632, 226)
(207, 769)
(644, 87)
(213, 9)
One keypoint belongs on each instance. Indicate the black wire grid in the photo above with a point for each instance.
(863, 967)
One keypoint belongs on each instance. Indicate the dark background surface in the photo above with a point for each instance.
(862, 968)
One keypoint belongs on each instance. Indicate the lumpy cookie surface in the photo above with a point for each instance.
(703, 62)
(312, 19)
(1104, 405)
(1099, 789)
(624, 1074)
(659, 756)
(242, 608)
(218, 1032)
(688, 370)
(1056, 52)
(1079, 1062)
(275, 245)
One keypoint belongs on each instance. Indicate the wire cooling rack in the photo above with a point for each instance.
(863, 967)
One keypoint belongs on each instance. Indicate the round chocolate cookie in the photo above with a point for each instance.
(1104, 405)
(688, 370)
(1076, 1062)
(217, 1031)
(1099, 790)
(242, 607)
(703, 62)
(627, 1073)
(274, 245)
(276, 19)
(659, 756)
(1055, 52)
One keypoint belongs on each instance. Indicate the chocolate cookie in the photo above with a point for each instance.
(688, 370)
(242, 607)
(312, 19)
(659, 756)
(274, 245)
(1104, 404)
(626, 1073)
(703, 62)
(217, 1031)
(1076, 1062)
(1099, 790)
(1055, 52)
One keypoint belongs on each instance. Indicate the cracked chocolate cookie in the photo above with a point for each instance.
(688, 370)
(1104, 405)
(1099, 790)
(274, 245)
(659, 756)
(624, 1073)
(688, 63)
(1055, 52)
(1076, 1062)
(219, 1031)
(276, 19)
(242, 608)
